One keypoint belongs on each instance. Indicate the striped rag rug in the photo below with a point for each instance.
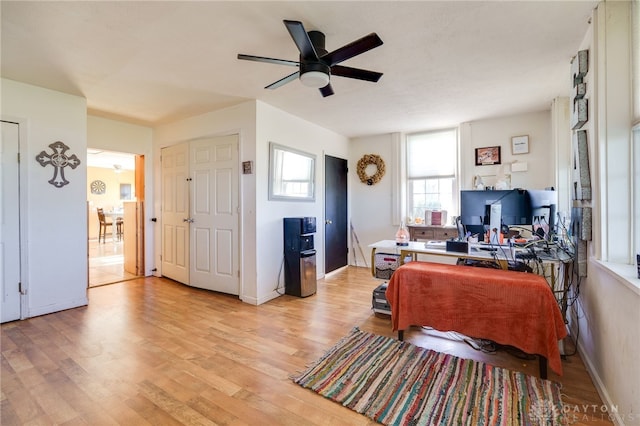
(397, 383)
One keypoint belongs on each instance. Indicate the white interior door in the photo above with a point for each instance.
(10, 222)
(175, 212)
(214, 211)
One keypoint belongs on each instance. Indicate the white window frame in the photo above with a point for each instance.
(635, 187)
(617, 145)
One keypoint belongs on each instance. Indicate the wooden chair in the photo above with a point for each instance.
(102, 232)
(119, 227)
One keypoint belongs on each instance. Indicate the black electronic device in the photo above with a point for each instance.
(379, 302)
(543, 211)
(475, 207)
(299, 256)
(457, 246)
(526, 255)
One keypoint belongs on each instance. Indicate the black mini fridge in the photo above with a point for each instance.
(299, 256)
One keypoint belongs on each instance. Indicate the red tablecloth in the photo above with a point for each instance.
(507, 307)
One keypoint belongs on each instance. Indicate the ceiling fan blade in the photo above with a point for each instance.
(283, 81)
(358, 73)
(301, 39)
(326, 90)
(268, 60)
(352, 49)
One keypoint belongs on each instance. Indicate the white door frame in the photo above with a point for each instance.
(23, 213)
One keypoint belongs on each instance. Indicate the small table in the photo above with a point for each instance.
(507, 307)
(436, 248)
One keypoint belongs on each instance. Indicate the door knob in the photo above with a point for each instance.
(328, 222)
(188, 220)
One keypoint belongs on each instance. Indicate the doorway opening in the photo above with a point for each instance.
(113, 181)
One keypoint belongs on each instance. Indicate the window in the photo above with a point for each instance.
(432, 172)
(291, 174)
(617, 143)
(125, 191)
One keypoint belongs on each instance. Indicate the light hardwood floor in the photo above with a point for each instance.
(106, 262)
(151, 351)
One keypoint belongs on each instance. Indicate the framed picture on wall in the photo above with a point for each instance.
(520, 144)
(125, 191)
(487, 156)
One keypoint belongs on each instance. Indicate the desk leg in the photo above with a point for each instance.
(401, 335)
(373, 262)
(543, 366)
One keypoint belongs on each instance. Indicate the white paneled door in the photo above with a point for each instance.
(209, 243)
(214, 214)
(175, 212)
(10, 222)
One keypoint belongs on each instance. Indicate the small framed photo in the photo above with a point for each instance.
(520, 144)
(487, 156)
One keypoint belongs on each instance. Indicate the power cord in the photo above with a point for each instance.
(577, 317)
(278, 287)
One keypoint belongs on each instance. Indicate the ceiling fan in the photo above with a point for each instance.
(316, 65)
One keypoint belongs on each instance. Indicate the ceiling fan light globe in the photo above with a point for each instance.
(315, 79)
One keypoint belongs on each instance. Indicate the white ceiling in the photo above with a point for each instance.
(444, 62)
(110, 160)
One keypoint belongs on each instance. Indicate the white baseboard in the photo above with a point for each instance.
(49, 309)
(600, 387)
(264, 299)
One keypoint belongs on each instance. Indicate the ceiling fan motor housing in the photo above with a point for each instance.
(318, 40)
(306, 67)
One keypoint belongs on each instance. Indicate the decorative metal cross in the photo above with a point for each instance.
(59, 160)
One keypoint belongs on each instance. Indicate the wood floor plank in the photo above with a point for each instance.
(19, 404)
(152, 351)
(214, 412)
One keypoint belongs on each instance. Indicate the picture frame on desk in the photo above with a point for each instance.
(487, 156)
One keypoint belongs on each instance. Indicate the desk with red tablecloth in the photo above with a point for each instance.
(507, 307)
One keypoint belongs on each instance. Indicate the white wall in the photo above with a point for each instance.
(54, 220)
(498, 132)
(113, 135)
(373, 215)
(261, 220)
(240, 120)
(561, 135)
(372, 207)
(607, 312)
(274, 125)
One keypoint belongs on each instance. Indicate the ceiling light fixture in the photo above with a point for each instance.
(315, 79)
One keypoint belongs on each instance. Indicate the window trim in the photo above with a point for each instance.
(616, 152)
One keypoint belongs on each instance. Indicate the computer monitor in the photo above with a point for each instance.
(543, 211)
(476, 205)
